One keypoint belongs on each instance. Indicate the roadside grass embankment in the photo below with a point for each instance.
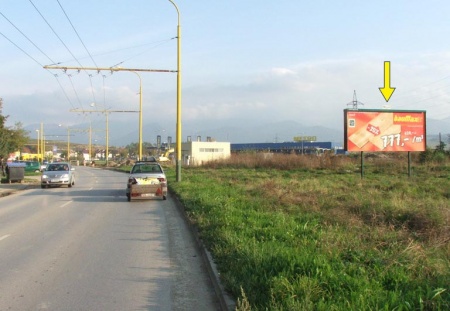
(294, 232)
(28, 177)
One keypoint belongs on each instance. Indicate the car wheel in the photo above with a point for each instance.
(43, 186)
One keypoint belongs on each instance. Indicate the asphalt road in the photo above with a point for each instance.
(87, 248)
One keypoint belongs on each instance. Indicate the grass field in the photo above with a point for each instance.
(308, 233)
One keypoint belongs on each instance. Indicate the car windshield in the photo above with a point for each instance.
(146, 168)
(58, 167)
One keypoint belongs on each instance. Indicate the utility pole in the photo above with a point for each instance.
(134, 70)
(178, 125)
(106, 112)
(84, 130)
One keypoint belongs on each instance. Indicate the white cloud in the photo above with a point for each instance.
(226, 110)
(312, 93)
(315, 93)
(283, 71)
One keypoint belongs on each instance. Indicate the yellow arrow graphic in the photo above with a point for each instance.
(387, 90)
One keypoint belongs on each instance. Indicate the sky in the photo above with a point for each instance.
(247, 62)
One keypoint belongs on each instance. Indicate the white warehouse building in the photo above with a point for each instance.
(200, 152)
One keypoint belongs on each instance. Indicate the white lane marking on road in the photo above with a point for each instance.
(66, 203)
(5, 236)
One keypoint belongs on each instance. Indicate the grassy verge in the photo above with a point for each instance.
(3, 179)
(299, 233)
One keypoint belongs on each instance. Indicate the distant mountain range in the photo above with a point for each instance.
(237, 132)
(271, 132)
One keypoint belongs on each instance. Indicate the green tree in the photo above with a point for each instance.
(11, 138)
(133, 149)
(64, 155)
(440, 147)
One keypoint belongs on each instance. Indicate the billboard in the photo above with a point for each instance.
(305, 138)
(384, 130)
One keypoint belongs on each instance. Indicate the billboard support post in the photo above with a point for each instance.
(362, 164)
(409, 163)
(375, 130)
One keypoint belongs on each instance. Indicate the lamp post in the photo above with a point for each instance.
(38, 151)
(107, 140)
(68, 144)
(106, 112)
(90, 141)
(140, 100)
(107, 133)
(42, 141)
(140, 114)
(178, 126)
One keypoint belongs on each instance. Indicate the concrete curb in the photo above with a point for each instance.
(11, 188)
(227, 303)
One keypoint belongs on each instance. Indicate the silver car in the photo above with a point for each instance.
(146, 180)
(58, 174)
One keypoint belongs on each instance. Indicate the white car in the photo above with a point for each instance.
(43, 166)
(58, 174)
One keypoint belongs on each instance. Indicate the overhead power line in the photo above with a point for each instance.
(32, 58)
(78, 60)
(23, 51)
(65, 94)
(53, 30)
(73, 27)
(29, 40)
(67, 48)
(145, 51)
(92, 89)
(74, 90)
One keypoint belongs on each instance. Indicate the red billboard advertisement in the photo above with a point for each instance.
(384, 130)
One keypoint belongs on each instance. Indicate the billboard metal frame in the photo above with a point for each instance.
(384, 130)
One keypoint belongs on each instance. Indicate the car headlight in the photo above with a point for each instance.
(44, 176)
